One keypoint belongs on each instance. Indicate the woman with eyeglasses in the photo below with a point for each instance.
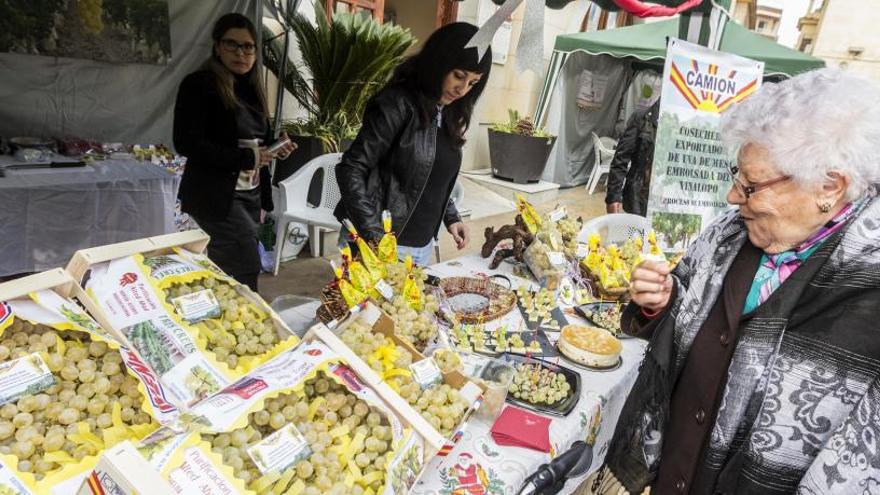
(763, 370)
(221, 126)
(407, 154)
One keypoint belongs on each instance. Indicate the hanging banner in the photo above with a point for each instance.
(690, 175)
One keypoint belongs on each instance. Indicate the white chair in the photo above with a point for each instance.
(603, 151)
(615, 228)
(456, 198)
(295, 207)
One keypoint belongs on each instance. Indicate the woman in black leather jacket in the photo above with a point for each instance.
(220, 123)
(408, 153)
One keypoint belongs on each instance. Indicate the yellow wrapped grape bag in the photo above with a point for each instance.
(387, 250)
(350, 294)
(529, 215)
(368, 256)
(411, 292)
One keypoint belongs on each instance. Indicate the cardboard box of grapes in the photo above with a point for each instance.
(437, 404)
(68, 389)
(197, 328)
(122, 470)
(304, 423)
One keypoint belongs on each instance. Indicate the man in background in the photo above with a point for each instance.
(630, 177)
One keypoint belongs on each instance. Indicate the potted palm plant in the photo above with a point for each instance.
(347, 59)
(518, 150)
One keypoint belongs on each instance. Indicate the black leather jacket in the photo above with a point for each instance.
(388, 165)
(630, 176)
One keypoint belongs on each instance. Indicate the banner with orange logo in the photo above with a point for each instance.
(690, 175)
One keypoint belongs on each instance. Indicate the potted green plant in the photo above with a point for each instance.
(518, 150)
(347, 59)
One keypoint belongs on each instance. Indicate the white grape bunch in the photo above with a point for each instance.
(90, 381)
(441, 405)
(538, 385)
(416, 327)
(239, 332)
(323, 472)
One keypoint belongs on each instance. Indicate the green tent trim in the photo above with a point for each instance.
(648, 42)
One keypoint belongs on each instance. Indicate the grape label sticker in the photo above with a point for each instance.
(280, 450)
(197, 306)
(27, 375)
(426, 373)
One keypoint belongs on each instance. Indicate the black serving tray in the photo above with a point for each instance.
(560, 409)
(597, 307)
(555, 314)
(548, 349)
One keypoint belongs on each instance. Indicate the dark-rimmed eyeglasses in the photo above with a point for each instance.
(748, 190)
(234, 46)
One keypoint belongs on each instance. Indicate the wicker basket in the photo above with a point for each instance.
(500, 300)
(618, 294)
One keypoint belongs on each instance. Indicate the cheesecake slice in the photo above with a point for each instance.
(590, 346)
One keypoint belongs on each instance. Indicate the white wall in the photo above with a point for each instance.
(506, 88)
(850, 23)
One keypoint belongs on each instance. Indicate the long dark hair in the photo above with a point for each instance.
(224, 78)
(425, 71)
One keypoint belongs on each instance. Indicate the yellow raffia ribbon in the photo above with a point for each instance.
(264, 482)
(285, 480)
(340, 431)
(372, 477)
(349, 480)
(355, 470)
(314, 407)
(59, 457)
(84, 436)
(369, 491)
(357, 443)
(395, 372)
(297, 488)
(60, 345)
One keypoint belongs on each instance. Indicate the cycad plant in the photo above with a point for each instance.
(347, 60)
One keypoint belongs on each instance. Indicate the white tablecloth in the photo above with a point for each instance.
(48, 214)
(505, 468)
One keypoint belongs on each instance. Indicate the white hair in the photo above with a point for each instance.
(813, 123)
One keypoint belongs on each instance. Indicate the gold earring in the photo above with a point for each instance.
(825, 207)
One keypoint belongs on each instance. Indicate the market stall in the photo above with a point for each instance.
(590, 72)
(592, 419)
(454, 378)
(49, 213)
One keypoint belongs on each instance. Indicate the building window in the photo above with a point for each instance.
(806, 45)
(761, 25)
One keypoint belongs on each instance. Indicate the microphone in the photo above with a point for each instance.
(550, 478)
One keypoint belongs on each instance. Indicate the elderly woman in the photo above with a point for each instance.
(763, 371)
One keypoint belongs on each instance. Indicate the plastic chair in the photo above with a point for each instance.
(615, 228)
(603, 151)
(296, 208)
(457, 197)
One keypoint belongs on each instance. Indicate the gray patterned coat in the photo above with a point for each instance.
(801, 407)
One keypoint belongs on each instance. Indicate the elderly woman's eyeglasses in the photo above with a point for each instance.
(747, 191)
(234, 46)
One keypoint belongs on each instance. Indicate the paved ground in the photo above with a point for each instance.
(306, 276)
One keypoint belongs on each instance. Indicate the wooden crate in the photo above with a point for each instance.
(385, 325)
(195, 241)
(62, 283)
(191, 240)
